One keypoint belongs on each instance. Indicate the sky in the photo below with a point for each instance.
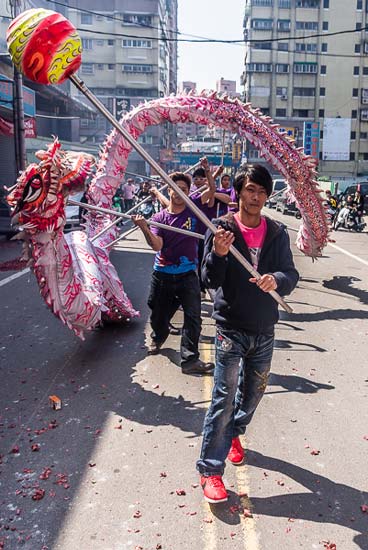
(206, 63)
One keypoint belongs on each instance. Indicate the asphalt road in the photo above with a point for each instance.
(114, 469)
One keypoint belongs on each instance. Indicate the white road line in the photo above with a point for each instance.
(348, 254)
(15, 276)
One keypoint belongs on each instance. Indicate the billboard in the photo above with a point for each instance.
(336, 139)
(311, 139)
(6, 96)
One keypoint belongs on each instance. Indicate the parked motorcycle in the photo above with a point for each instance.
(146, 210)
(349, 218)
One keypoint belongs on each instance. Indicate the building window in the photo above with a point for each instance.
(304, 92)
(111, 66)
(262, 3)
(303, 67)
(354, 113)
(323, 69)
(355, 92)
(352, 135)
(352, 156)
(322, 92)
(283, 46)
(321, 113)
(86, 18)
(306, 26)
(363, 135)
(321, 134)
(301, 113)
(265, 111)
(281, 92)
(323, 47)
(359, 5)
(363, 156)
(285, 4)
(280, 112)
(365, 71)
(87, 43)
(137, 44)
(263, 46)
(110, 42)
(307, 3)
(358, 26)
(100, 42)
(283, 25)
(325, 26)
(363, 114)
(135, 68)
(364, 96)
(356, 70)
(302, 47)
(87, 68)
(357, 48)
(326, 4)
(137, 19)
(282, 67)
(259, 68)
(262, 24)
(100, 66)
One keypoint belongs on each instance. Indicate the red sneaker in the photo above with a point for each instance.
(236, 453)
(213, 489)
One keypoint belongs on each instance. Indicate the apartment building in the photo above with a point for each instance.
(127, 59)
(306, 65)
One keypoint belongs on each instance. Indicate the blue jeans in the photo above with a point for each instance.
(243, 363)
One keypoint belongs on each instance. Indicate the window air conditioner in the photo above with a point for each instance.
(283, 97)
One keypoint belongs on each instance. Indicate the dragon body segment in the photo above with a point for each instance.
(75, 275)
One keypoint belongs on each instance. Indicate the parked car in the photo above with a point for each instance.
(283, 206)
(351, 190)
(278, 185)
(5, 219)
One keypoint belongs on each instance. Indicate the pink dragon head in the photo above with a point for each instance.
(41, 191)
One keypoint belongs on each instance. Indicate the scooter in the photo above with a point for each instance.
(349, 218)
(146, 210)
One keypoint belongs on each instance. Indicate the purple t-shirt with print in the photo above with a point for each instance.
(179, 253)
(208, 211)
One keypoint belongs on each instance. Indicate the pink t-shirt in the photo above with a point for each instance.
(254, 237)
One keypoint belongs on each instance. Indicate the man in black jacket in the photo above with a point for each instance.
(245, 315)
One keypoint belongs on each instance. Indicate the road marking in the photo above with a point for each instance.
(346, 252)
(15, 276)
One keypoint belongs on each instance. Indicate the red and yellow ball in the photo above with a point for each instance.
(44, 46)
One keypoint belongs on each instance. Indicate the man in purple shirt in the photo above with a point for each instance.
(174, 279)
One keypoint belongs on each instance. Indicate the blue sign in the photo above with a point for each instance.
(311, 137)
(192, 158)
(6, 96)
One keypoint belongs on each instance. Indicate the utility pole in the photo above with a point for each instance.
(18, 108)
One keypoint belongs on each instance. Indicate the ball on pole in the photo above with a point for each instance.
(44, 46)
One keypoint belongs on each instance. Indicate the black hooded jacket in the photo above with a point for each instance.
(240, 304)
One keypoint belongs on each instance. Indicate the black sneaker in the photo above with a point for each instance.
(197, 367)
(174, 330)
(154, 347)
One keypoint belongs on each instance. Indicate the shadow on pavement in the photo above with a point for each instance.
(296, 384)
(344, 285)
(324, 501)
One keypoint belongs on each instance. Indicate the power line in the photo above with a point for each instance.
(107, 16)
(241, 41)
